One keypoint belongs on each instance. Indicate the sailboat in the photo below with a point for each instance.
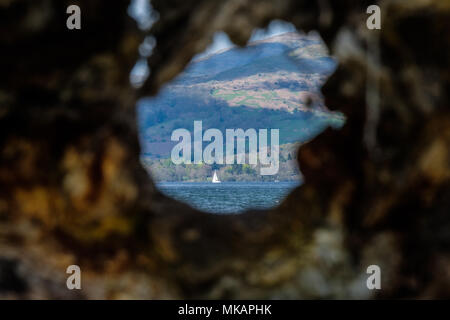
(215, 179)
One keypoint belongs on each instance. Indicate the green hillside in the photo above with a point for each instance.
(271, 84)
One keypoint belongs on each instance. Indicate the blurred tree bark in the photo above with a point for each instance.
(72, 190)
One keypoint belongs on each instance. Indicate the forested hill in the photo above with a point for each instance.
(273, 83)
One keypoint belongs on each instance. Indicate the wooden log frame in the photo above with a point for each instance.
(72, 189)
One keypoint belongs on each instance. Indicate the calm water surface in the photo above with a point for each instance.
(227, 197)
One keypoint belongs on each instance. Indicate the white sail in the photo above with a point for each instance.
(215, 179)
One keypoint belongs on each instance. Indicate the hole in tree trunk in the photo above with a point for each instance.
(223, 135)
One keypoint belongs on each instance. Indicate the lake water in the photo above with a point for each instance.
(227, 197)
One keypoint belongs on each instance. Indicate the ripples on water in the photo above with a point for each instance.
(228, 197)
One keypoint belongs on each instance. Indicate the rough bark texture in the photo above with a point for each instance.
(72, 190)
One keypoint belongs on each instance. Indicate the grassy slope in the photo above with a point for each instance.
(243, 88)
